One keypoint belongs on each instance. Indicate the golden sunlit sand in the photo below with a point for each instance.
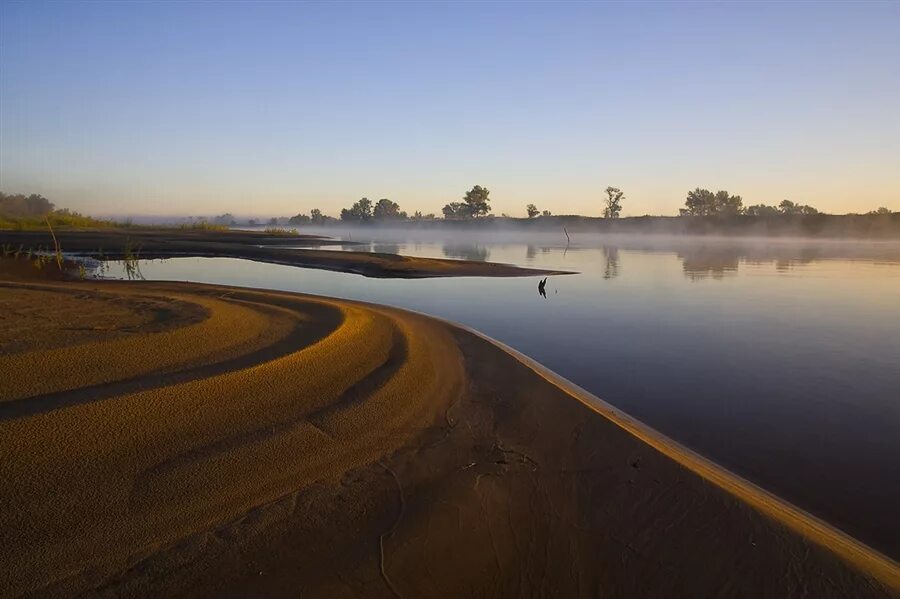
(161, 439)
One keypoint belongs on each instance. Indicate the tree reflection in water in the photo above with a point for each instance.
(467, 251)
(611, 254)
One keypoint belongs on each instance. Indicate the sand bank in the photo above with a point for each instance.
(176, 439)
(291, 250)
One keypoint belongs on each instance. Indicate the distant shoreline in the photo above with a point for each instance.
(815, 226)
(292, 250)
(870, 226)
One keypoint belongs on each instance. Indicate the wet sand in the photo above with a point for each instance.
(291, 250)
(171, 439)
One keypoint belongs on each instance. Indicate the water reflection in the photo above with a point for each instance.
(386, 248)
(720, 260)
(703, 263)
(611, 255)
(467, 251)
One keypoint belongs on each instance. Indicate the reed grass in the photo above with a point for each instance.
(203, 226)
(280, 231)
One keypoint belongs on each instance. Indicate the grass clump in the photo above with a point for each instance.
(64, 219)
(280, 231)
(203, 225)
(131, 260)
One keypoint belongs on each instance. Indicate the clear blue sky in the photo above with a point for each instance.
(253, 108)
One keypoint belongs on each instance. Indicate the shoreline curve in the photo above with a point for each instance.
(352, 460)
(848, 547)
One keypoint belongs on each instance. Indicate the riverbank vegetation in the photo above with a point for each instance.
(34, 211)
(705, 213)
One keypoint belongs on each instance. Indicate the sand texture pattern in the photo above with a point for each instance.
(163, 439)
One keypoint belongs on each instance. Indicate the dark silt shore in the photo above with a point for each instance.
(155, 243)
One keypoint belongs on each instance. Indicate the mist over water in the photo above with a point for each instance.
(778, 359)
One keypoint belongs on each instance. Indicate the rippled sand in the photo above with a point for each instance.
(175, 439)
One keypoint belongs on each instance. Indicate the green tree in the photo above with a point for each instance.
(20, 205)
(698, 203)
(478, 201)
(386, 209)
(789, 208)
(456, 210)
(728, 204)
(475, 203)
(316, 216)
(546, 213)
(614, 197)
(361, 211)
(761, 210)
(703, 202)
(532, 210)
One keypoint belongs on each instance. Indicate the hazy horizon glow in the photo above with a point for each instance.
(277, 108)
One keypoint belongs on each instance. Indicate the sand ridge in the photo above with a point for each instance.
(334, 448)
(117, 475)
(235, 328)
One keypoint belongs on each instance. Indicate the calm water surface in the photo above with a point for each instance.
(780, 360)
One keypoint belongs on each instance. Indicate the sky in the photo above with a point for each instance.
(276, 108)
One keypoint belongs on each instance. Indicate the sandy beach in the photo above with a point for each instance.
(170, 439)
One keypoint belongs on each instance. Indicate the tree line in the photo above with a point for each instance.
(475, 203)
(19, 205)
(362, 211)
(703, 202)
(18, 209)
